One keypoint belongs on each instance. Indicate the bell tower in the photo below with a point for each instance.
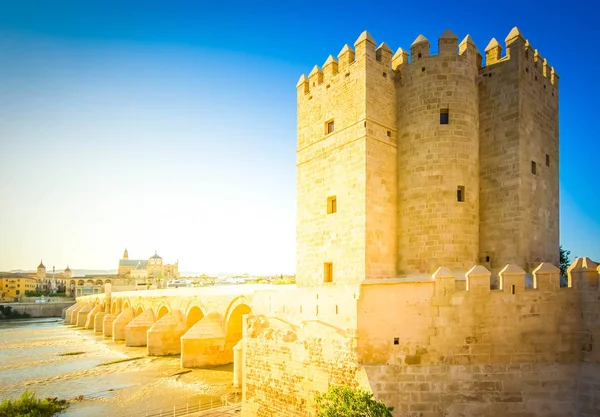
(41, 271)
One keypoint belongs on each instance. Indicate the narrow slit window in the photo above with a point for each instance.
(512, 289)
(533, 168)
(444, 116)
(329, 127)
(547, 160)
(460, 194)
(328, 272)
(331, 204)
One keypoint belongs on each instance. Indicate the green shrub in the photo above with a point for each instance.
(31, 406)
(33, 294)
(346, 402)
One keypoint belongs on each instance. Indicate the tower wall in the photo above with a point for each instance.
(435, 159)
(539, 138)
(519, 209)
(356, 164)
(41, 273)
(381, 166)
(331, 164)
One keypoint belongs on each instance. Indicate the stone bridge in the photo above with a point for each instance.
(203, 325)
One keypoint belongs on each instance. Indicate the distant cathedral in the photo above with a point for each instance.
(152, 268)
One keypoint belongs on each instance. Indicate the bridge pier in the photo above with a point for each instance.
(238, 369)
(89, 322)
(122, 320)
(164, 337)
(98, 321)
(107, 324)
(72, 312)
(135, 331)
(82, 315)
(204, 344)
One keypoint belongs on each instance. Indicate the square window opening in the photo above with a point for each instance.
(328, 272)
(389, 134)
(396, 340)
(331, 204)
(533, 168)
(444, 116)
(329, 127)
(460, 194)
(487, 258)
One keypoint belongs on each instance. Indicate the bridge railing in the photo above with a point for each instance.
(221, 407)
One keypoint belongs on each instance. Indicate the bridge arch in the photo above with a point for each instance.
(162, 311)
(193, 316)
(233, 320)
(116, 306)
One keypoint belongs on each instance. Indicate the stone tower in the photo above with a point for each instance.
(405, 165)
(437, 158)
(518, 133)
(125, 254)
(41, 271)
(68, 274)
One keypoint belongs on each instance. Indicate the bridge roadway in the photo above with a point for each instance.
(203, 325)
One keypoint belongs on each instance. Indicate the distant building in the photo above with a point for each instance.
(14, 285)
(132, 274)
(147, 270)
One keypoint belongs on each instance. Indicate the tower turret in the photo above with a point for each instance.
(41, 271)
(518, 132)
(438, 159)
(125, 254)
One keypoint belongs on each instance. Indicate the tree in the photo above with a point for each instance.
(345, 402)
(565, 261)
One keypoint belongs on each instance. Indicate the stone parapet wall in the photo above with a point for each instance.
(490, 390)
(285, 366)
(436, 347)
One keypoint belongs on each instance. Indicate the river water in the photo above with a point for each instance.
(32, 358)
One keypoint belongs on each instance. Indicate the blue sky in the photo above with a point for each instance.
(171, 126)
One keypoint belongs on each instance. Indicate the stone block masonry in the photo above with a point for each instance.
(433, 347)
(431, 160)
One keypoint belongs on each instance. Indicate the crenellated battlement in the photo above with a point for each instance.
(516, 46)
(365, 49)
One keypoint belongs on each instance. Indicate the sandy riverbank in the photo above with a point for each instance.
(30, 358)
